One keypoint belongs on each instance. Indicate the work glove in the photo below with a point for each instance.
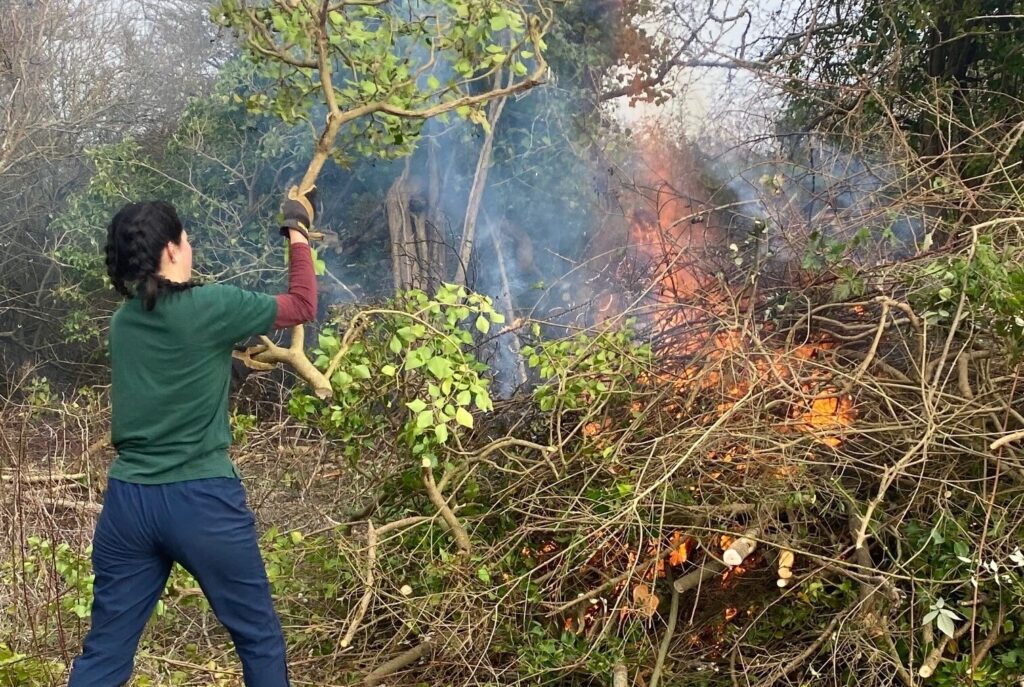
(298, 211)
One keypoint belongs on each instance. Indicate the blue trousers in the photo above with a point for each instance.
(206, 526)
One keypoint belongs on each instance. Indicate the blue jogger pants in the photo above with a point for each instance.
(206, 526)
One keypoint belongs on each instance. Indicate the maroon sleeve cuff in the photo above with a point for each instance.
(298, 305)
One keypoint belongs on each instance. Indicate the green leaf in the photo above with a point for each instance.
(464, 417)
(440, 367)
(327, 342)
(416, 406)
(361, 372)
(418, 357)
(395, 345)
(433, 83)
(482, 324)
(464, 398)
(388, 370)
(945, 624)
(424, 419)
(441, 432)
(484, 575)
(499, 22)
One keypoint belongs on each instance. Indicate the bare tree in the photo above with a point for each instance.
(75, 75)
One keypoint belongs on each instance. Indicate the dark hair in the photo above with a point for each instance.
(135, 239)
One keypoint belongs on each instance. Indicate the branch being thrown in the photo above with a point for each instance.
(264, 358)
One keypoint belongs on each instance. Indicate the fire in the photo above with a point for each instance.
(826, 414)
(667, 234)
(681, 549)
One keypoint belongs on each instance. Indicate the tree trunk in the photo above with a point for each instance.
(435, 219)
(505, 304)
(397, 207)
(423, 268)
(476, 192)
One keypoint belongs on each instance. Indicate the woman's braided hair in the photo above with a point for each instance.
(136, 237)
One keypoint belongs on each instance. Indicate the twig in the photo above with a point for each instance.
(804, 655)
(931, 661)
(620, 677)
(84, 506)
(1007, 439)
(490, 448)
(888, 477)
(403, 660)
(666, 641)
(872, 351)
(696, 577)
(990, 639)
(364, 603)
(608, 584)
(42, 479)
(458, 531)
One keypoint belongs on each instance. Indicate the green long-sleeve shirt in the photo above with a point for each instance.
(171, 373)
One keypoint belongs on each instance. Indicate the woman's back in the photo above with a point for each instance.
(171, 372)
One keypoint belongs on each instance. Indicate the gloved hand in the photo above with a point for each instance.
(298, 211)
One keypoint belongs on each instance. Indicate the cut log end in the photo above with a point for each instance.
(738, 551)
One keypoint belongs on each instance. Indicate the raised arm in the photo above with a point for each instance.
(298, 304)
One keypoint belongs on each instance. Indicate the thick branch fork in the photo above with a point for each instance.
(268, 354)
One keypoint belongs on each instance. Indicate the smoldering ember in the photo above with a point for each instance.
(487, 343)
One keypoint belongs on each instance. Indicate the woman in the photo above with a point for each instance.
(173, 494)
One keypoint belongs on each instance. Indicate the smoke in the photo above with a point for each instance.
(562, 235)
(812, 189)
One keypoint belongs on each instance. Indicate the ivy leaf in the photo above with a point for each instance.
(395, 345)
(388, 370)
(482, 324)
(433, 83)
(464, 417)
(416, 406)
(484, 575)
(424, 419)
(361, 372)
